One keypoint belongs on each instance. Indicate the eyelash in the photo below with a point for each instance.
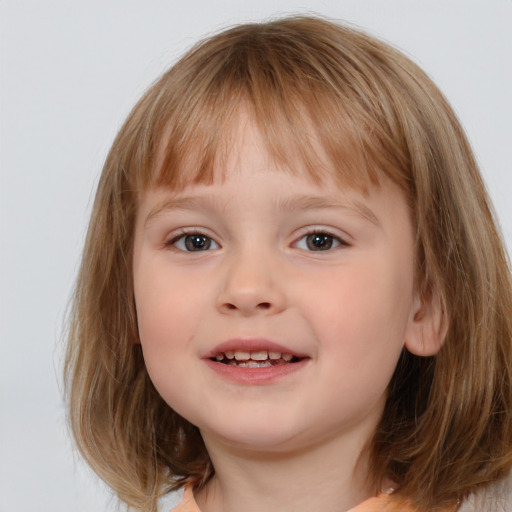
(332, 239)
(182, 236)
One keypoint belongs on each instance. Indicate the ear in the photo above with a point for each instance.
(428, 324)
(136, 336)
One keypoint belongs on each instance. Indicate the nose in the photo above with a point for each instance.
(251, 285)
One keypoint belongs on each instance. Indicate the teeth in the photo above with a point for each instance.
(251, 364)
(240, 355)
(258, 364)
(259, 356)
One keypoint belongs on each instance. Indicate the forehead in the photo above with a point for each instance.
(244, 138)
(245, 165)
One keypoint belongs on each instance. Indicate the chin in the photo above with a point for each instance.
(257, 437)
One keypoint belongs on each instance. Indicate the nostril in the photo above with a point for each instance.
(247, 308)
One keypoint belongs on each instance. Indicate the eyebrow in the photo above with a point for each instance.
(287, 205)
(182, 203)
(319, 203)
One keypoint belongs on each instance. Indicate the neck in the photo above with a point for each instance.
(332, 477)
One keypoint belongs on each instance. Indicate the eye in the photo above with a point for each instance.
(193, 242)
(319, 241)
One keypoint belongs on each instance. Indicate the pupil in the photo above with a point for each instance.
(319, 241)
(197, 242)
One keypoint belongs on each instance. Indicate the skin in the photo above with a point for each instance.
(295, 441)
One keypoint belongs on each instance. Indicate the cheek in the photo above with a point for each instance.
(363, 316)
(163, 298)
(165, 332)
(156, 309)
(166, 319)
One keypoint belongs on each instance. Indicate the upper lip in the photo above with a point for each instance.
(251, 345)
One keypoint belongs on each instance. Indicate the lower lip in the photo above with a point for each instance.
(254, 376)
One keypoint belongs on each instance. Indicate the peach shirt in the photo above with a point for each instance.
(382, 503)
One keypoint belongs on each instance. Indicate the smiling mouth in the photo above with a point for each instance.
(256, 359)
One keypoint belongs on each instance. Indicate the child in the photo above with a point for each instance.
(293, 295)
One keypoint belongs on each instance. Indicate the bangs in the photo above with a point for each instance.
(311, 119)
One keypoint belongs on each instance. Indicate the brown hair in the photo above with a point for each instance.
(447, 424)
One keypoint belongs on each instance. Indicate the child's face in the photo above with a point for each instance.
(272, 264)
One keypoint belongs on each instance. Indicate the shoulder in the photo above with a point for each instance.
(497, 497)
(187, 503)
(382, 503)
(388, 503)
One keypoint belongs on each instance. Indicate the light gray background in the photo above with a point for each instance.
(70, 71)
